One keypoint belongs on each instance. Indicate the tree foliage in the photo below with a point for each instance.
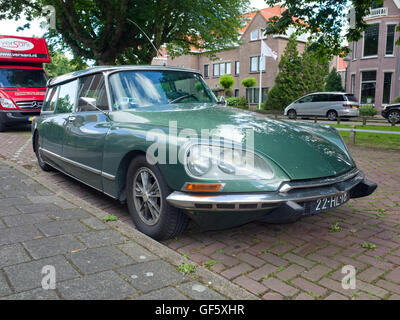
(334, 81)
(60, 64)
(226, 81)
(248, 83)
(324, 20)
(298, 75)
(100, 29)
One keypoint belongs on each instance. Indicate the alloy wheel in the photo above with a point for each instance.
(332, 115)
(147, 196)
(394, 115)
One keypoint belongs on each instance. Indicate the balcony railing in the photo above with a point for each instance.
(377, 12)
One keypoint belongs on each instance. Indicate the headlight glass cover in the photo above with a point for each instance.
(7, 103)
(210, 162)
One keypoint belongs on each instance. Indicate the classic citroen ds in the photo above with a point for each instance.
(158, 139)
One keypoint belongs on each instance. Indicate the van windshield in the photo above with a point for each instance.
(22, 78)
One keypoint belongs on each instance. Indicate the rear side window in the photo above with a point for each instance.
(51, 98)
(92, 87)
(306, 99)
(351, 98)
(336, 97)
(67, 97)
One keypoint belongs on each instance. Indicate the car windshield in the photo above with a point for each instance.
(138, 89)
(22, 78)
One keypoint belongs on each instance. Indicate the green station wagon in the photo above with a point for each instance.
(158, 139)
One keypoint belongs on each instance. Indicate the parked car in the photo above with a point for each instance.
(324, 104)
(100, 126)
(391, 112)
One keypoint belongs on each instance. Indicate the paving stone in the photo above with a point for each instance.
(151, 275)
(336, 296)
(61, 227)
(47, 247)
(26, 219)
(280, 286)
(101, 286)
(99, 259)
(4, 288)
(53, 199)
(36, 294)
(236, 271)
(272, 296)
(2, 225)
(250, 285)
(37, 207)
(12, 254)
(137, 252)
(316, 273)
(304, 296)
(8, 211)
(290, 272)
(69, 214)
(9, 202)
(101, 238)
(163, 294)
(394, 275)
(28, 275)
(198, 291)
(18, 234)
(309, 286)
(370, 274)
(95, 223)
(261, 272)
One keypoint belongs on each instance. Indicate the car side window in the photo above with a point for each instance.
(51, 100)
(336, 97)
(306, 99)
(320, 98)
(90, 88)
(67, 97)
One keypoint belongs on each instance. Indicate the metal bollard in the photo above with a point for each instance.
(338, 120)
(353, 135)
(393, 122)
(364, 120)
(315, 119)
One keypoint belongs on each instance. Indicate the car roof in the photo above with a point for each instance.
(99, 69)
(330, 92)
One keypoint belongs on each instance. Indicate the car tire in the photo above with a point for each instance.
(292, 114)
(150, 211)
(332, 115)
(44, 166)
(394, 114)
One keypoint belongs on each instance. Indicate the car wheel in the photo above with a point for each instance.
(394, 115)
(332, 115)
(146, 196)
(44, 166)
(292, 114)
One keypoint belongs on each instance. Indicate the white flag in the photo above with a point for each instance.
(267, 51)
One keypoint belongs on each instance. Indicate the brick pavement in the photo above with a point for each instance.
(296, 261)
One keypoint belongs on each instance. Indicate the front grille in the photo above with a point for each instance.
(30, 104)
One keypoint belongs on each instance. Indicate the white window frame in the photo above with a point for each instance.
(363, 46)
(208, 70)
(355, 49)
(394, 38)
(251, 35)
(361, 81)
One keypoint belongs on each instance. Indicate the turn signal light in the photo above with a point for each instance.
(203, 187)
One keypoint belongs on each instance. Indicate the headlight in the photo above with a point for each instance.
(220, 163)
(7, 103)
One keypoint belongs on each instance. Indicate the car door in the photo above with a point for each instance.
(303, 105)
(86, 131)
(317, 106)
(60, 105)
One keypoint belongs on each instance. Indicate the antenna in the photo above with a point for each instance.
(145, 36)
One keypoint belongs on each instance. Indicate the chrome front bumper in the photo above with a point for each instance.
(297, 191)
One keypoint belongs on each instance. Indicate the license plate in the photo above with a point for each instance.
(328, 203)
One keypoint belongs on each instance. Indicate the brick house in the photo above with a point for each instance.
(243, 60)
(374, 68)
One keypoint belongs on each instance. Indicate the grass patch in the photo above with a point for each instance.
(110, 217)
(375, 140)
(209, 264)
(186, 268)
(369, 246)
(335, 227)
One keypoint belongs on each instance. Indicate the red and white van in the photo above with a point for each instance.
(22, 79)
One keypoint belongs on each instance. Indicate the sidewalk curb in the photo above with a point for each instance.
(222, 285)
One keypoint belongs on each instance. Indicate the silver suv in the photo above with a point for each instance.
(324, 104)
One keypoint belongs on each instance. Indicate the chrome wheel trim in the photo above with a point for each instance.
(394, 115)
(332, 115)
(147, 196)
(292, 114)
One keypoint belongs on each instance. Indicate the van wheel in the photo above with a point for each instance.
(332, 115)
(44, 166)
(146, 197)
(292, 114)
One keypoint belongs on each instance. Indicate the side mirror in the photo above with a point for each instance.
(89, 101)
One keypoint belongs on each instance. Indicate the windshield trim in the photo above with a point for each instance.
(26, 69)
(108, 74)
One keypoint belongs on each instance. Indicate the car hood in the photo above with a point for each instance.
(302, 150)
